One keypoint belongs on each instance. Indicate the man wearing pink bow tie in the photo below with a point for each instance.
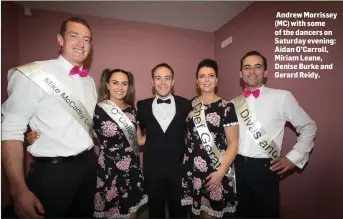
(262, 114)
(56, 98)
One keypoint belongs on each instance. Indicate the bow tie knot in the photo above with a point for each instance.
(248, 92)
(76, 70)
(163, 101)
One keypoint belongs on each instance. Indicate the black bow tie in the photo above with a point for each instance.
(163, 101)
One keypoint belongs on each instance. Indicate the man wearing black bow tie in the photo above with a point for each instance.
(262, 114)
(163, 120)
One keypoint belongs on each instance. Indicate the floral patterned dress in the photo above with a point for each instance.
(119, 190)
(221, 202)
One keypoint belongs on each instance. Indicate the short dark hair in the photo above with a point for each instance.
(210, 63)
(104, 93)
(255, 53)
(161, 65)
(75, 20)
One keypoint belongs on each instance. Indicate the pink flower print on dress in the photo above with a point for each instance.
(131, 117)
(128, 149)
(224, 103)
(216, 194)
(101, 160)
(205, 202)
(111, 194)
(213, 118)
(109, 129)
(99, 204)
(112, 212)
(99, 183)
(124, 164)
(200, 164)
(114, 182)
(226, 111)
(213, 136)
(197, 183)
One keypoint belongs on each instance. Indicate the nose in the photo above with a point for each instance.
(121, 86)
(80, 42)
(253, 70)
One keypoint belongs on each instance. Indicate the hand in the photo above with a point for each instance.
(282, 165)
(27, 205)
(32, 136)
(214, 181)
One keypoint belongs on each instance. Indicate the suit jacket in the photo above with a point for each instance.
(163, 151)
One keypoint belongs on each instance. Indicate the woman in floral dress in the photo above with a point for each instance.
(209, 190)
(119, 190)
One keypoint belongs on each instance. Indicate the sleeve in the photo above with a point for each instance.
(189, 109)
(140, 118)
(230, 117)
(23, 97)
(304, 125)
(134, 113)
(95, 92)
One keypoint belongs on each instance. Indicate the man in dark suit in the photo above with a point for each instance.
(163, 119)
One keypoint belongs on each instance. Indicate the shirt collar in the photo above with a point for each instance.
(67, 65)
(261, 88)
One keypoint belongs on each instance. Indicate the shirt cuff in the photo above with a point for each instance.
(6, 136)
(297, 158)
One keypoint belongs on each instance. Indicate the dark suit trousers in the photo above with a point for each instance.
(257, 188)
(66, 188)
(161, 191)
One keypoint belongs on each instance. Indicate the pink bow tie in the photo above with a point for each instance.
(76, 70)
(255, 93)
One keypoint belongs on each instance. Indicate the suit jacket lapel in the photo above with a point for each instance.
(177, 112)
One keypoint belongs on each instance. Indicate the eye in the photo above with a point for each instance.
(201, 76)
(125, 83)
(212, 76)
(115, 82)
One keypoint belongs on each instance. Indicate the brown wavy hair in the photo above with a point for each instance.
(104, 93)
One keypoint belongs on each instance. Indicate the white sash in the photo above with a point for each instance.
(199, 120)
(123, 122)
(255, 128)
(60, 93)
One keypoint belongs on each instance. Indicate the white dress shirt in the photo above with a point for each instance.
(272, 109)
(27, 104)
(164, 112)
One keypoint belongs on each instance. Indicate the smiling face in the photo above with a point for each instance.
(163, 81)
(207, 79)
(118, 85)
(76, 43)
(253, 72)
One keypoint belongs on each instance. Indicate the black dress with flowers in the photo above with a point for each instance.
(119, 190)
(220, 202)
